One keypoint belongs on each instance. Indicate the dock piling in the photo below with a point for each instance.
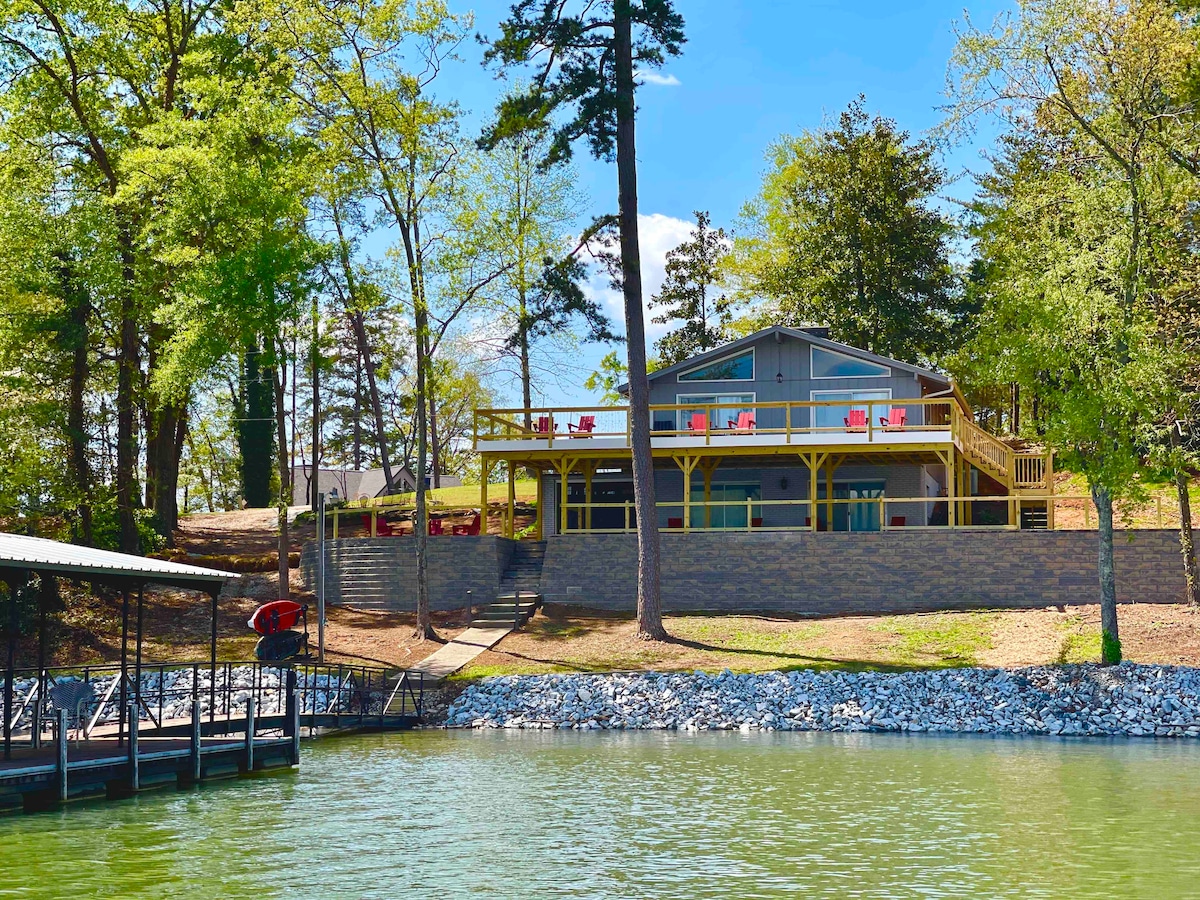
(195, 744)
(134, 774)
(249, 734)
(60, 740)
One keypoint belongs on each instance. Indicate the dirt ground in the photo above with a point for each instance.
(565, 638)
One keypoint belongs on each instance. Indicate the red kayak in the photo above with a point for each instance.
(278, 615)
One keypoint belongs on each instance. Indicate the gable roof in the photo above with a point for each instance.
(725, 350)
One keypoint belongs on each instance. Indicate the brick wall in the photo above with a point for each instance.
(381, 573)
(892, 571)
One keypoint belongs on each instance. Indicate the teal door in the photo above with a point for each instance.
(732, 516)
(851, 516)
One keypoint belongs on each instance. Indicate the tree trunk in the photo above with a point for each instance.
(649, 601)
(285, 486)
(435, 439)
(255, 430)
(1186, 539)
(360, 332)
(1110, 638)
(364, 349)
(169, 424)
(126, 436)
(76, 427)
(314, 480)
(357, 410)
(421, 525)
(1014, 416)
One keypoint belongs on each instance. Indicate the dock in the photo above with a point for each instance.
(243, 718)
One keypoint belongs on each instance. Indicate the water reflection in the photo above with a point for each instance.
(502, 814)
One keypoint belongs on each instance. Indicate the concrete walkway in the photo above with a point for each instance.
(460, 651)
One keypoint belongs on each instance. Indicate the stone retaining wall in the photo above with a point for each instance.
(380, 573)
(890, 571)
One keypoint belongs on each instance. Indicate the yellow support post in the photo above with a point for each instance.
(812, 489)
(538, 527)
(512, 501)
(708, 465)
(951, 488)
(563, 466)
(830, 465)
(485, 472)
(589, 471)
(335, 524)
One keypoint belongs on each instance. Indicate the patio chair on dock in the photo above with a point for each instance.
(76, 698)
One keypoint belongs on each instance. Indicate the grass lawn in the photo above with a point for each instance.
(570, 639)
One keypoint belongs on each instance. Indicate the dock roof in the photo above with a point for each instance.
(19, 551)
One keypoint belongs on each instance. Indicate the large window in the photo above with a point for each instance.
(827, 364)
(731, 368)
(731, 516)
(731, 405)
(835, 416)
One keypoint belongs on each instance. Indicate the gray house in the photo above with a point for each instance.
(781, 430)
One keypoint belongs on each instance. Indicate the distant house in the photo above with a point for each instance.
(358, 484)
(348, 484)
(782, 429)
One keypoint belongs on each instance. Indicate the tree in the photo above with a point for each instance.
(1071, 218)
(692, 273)
(585, 64)
(844, 232)
(523, 210)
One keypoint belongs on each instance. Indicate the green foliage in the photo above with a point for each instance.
(845, 232)
(1110, 649)
(572, 55)
(605, 380)
(692, 274)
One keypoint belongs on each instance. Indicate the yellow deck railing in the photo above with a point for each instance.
(573, 428)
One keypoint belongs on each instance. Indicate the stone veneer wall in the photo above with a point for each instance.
(891, 571)
(380, 573)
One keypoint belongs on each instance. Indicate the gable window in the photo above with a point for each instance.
(731, 368)
(827, 364)
(835, 416)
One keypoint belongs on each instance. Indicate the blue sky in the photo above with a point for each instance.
(750, 72)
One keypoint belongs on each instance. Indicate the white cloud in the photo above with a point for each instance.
(646, 76)
(658, 235)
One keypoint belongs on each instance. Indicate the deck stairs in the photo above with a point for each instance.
(520, 587)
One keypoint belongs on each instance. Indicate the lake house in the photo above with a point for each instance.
(781, 430)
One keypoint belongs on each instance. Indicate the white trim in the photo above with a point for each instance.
(812, 395)
(812, 348)
(679, 376)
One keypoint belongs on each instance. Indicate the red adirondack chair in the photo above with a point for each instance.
(586, 426)
(857, 420)
(745, 422)
(471, 528)
(895, 420)
(698, 422)
(542, 425)
(897, 522)
(383, 528)
(674, 523)
(436, 527)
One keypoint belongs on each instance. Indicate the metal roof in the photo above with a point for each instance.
(19, 551)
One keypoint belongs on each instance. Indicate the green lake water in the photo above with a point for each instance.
(527, 815)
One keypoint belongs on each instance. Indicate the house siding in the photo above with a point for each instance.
(790, 357)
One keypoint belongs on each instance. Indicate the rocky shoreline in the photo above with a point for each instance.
(1127, 700)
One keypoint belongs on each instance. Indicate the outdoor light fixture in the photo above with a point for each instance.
(783, 484)
(779, 378)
